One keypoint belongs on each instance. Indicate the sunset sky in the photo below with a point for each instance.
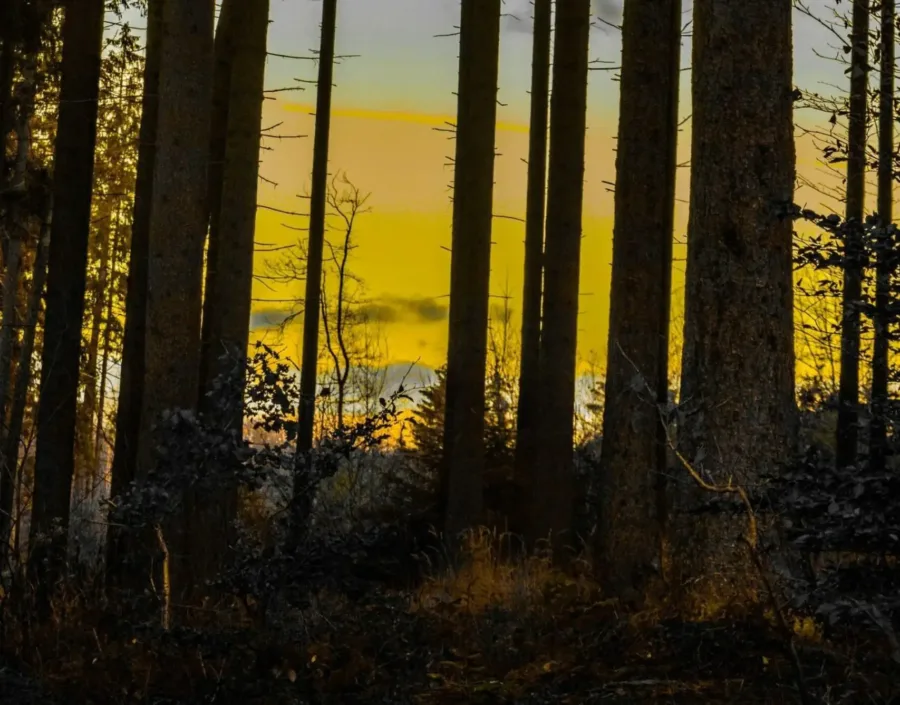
(394, 88)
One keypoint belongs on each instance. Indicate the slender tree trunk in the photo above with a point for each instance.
(178, 224)
(224, 50)
(637, 377)
(738, 361)
(9, 461)
(882, 345)
(528, 413)
(552, 493)
(229, 290)
(470, 267)
(106, 347)
(848, 393)
(131, 376)
(66, 275)
(88, 409)
(303, 473)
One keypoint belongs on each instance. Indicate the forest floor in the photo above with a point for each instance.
(496, 634)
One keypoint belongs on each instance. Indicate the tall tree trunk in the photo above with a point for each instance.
(66, 275)
(882, 345)
(552, 493)
(303, 482)
(88, 409)
(218, 135)
(178, 225)
(470, 267)
(106, 347)
(9, 444)
(528, 412)
(848, 393)
(228, 293)
(637, 376)
(131, 376)
(738, 361)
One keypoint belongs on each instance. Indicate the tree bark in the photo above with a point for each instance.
(470, 265)
(848, 393)
(882, 346)
(224, 50)
(178, 224)
(552, 493)
(633, 454)
(66, 276)
(303, 483)
(528, 411)
(737, 386)
(228, 293)
(131, 375)
(9, 462)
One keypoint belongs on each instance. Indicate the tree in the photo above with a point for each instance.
(528, 411)
(218, 135)
(317, 205)
(66, 276)
(631, 467)
(178, 224)
(737, 391)
(553, 483)
(470, 265)
(881, 350)
(229, 288)
(131, 376)
(848, 395)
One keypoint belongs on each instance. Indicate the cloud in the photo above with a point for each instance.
(269, 317)
(609, 10)
(404, 310)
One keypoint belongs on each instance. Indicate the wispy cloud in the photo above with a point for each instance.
(405, 310)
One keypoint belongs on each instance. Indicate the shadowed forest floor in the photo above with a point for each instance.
(494, 635)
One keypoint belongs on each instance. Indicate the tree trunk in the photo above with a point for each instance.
(178, 224)
(633, 454)
(66, 275)
(470, 266)
(131, 376)
(224, 50)
(528, 412)
(303, 477)
(738, 362)
(9, 461)
(882, 345)
(88, 409)
(848, 393)
(228, 293)
(552, 493)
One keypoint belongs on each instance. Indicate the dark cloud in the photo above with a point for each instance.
(404, 310)
(268, 317)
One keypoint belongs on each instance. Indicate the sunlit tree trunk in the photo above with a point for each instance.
(470, 266)
(528, 412)
(178, 225)
(633, 455)
(303, 484)
(882, 346)
(848, 394)
(552, 495)
(737, 387)
(66, 278)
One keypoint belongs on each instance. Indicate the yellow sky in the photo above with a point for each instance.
(401, 158)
